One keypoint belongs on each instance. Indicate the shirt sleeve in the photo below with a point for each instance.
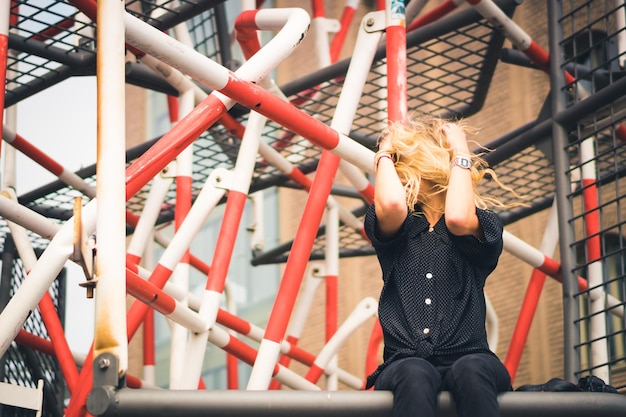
(370, 231)
(485, 252)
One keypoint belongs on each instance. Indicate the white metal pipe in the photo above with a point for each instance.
(207, 200)
(9, 152)
(40, 278)
(31, 220)
(595, 278)
(366, 309)
(331, 249)
(174, 77)
(266, 359)
(490, 11)
(23, 245)
(110, 302)
(150, 212)
(164, 48)
(314, 274)
(257, 241)
(241, 179)
(493, 324)
(178, 332)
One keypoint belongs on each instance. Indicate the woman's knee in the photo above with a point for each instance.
(479, 369)
(409, 371)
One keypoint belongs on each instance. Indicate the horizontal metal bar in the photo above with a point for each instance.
(161, 403)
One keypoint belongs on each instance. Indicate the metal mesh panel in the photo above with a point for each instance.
(24, 366)
(597, 152)
(450, 67)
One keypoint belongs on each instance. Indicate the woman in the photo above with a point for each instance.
(436, 243)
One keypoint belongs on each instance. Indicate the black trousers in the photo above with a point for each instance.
(474, 380)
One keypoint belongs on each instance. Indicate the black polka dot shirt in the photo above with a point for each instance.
(432, 301)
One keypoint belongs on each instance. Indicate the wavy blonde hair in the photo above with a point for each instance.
(423, 159)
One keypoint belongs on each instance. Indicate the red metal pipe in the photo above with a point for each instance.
(34, 153)
(149, 351)
(59, 342)
(302, 244)
(235, 203)
(4, 54)
(318, 8)
(181, 135)
(524, 321)
(246, 33)
(339, 38)
(592, 220)
(332, 303)
(52, 31)
(397, 96)
(77, 405)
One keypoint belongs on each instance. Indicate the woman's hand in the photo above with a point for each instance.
(456, 138)
(385, 143)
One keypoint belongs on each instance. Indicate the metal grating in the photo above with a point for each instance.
(24, 366)
(451, 64)
(597, 151)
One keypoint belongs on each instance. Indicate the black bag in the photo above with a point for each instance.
(553, 385)
(589, 383)
(592, 383)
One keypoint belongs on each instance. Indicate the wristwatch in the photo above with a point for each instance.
(462, 161)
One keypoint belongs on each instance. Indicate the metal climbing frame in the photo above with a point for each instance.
(234, 132)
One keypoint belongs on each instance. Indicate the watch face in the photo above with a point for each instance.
(463, 162)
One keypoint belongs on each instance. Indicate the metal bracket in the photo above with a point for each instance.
(374, 21)
(102, 398)
(170, 170)
(221, 178)
(84, 249)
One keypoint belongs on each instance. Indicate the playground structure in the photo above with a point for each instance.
(234, 132)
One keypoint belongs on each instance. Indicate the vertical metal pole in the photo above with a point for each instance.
(396, 62)
(110, 312)
(571, 335)
(5, 12)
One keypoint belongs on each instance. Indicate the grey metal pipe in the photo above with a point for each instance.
(571, 334)
(166, 403)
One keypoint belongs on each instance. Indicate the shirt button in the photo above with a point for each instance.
(429, 275)
(426, 330)
(428, 301)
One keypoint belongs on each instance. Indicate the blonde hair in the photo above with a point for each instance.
(423, 159)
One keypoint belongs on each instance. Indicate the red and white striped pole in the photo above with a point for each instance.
(531, 298)
(396, 61)
(593, 231)
(5, 13)
(269, 349)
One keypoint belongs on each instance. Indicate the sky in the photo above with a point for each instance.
(61, 121)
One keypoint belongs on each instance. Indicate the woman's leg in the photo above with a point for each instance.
(474, 381)
(415, 384)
